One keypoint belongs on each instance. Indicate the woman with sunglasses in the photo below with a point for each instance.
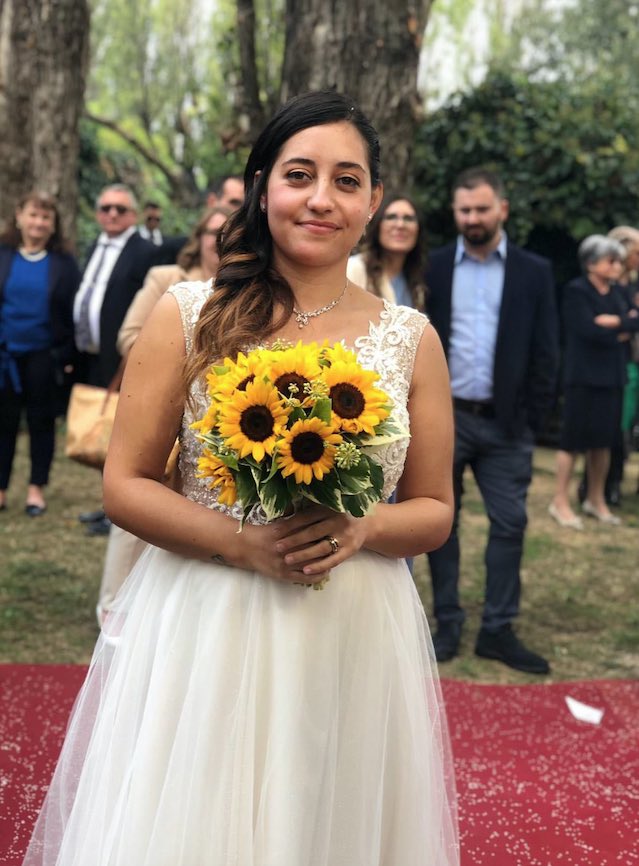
(391, 264)
(38, 279)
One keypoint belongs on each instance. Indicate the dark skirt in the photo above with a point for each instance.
(591, 417)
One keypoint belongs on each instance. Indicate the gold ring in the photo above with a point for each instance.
(334, 543)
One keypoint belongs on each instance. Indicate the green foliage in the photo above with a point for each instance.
(566, 154)
(155, 72)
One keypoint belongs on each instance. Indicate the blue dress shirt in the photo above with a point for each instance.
(476, 300)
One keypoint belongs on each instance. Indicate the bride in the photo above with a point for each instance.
(232, 717)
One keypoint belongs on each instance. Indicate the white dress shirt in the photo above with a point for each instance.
(115, 247)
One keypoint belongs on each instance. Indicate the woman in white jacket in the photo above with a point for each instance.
(391, 263)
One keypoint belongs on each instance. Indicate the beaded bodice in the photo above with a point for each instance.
(389, 349)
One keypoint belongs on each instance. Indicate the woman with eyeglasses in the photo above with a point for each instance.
(391, 264)
(197, 262)
(38, 279)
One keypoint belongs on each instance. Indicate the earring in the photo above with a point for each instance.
(370, 217)
(262, 205)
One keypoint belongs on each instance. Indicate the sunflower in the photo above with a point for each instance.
(339, 352)
(208, 420)
(308, 450)
(250, 421)
(290, 370)
(357, 406)
(237, 374)
(218, 475)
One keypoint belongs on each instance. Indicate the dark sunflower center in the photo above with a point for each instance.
(348, 401)
(242, 385)
(307, 447)
(283, 384)
(256, 423)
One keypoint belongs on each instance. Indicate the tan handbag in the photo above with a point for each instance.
(89, 424)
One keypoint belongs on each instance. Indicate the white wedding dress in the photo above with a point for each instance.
(231, 720)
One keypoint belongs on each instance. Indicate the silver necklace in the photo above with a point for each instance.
(33, 257)
(302, 318)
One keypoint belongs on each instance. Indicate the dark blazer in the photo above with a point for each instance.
(593, 355)
(64, 279)
(527, 346)
(126, 278)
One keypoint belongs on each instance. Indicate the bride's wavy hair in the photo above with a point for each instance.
(240, 311)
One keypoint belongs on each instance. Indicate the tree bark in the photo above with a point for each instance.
(370, 50)
(44, 47)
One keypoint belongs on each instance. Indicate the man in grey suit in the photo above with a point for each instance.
(116, 266)
(493, 306)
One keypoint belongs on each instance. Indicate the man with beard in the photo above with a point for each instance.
(493, 306)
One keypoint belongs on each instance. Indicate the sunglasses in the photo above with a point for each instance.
(407, 218)
(118, 208)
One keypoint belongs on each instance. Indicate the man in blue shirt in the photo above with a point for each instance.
(493, 306)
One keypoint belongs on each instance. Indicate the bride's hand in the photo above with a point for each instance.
(317, 539)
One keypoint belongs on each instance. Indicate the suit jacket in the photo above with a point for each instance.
(527, 345)
(64, 280)
(593, 355)
(126, 278)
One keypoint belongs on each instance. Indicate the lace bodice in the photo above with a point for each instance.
(389, 348)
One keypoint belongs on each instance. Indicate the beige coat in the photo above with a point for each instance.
(156, 283)
(356, 273)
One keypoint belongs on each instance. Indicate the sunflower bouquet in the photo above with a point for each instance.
(289, 424)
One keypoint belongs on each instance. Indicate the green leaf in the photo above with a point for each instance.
(274, 497)
(356, 479)
(322, 410)
(246, 487)
(324, 492)
(361, 504)
(297, 414)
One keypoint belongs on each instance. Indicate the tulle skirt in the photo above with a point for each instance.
(230, 720)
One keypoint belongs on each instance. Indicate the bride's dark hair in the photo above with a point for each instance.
(241, 309)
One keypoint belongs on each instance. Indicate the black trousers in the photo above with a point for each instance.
(503, 469)
(38, 400)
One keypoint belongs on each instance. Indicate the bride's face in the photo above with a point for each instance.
(319, 195)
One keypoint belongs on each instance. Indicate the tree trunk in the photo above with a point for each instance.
(370, 50)
(43, 63)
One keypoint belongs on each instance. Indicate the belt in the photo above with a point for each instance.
(474, 407)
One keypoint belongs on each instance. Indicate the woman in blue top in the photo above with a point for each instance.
(38, 279)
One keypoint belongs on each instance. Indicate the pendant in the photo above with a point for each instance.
(301, 319)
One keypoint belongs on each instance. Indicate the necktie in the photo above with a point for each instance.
(83, 339)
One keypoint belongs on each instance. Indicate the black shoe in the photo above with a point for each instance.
(99, 527)
(91, 516)
(35, 510)
(446, 641)
(581, 491)
(505, 646)
(613, 496)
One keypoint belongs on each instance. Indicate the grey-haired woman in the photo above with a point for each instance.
(596, 325)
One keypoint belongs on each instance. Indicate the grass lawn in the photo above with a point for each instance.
(579, 604)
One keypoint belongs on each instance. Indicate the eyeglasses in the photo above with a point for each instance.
(406, 218)
(119, 208)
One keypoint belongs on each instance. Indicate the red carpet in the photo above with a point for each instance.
(536, 786)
